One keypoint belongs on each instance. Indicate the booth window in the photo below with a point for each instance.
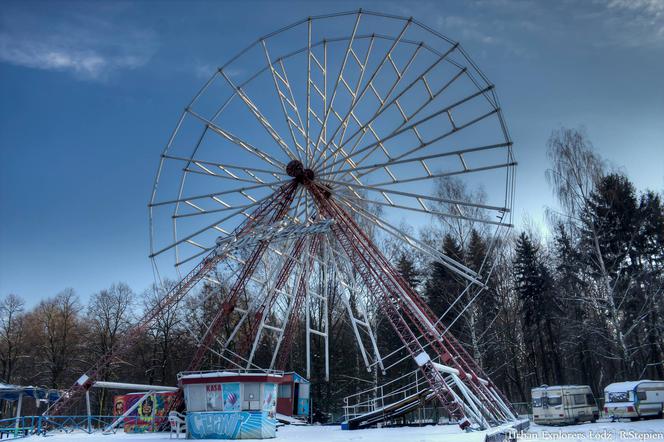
(284, 391)
(251, 396)
(196, 397)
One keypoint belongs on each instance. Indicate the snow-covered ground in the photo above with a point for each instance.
(647, 430)
(601, 431)
(314, 433)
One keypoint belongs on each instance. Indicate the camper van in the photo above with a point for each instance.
(634, 399)
(563, 404)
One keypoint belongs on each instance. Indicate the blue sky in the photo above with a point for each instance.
(90, 92)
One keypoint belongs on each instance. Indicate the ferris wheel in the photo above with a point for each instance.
(301, 154)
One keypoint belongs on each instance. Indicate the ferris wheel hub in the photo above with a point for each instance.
(296, 170)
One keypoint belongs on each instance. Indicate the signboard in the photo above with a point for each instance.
(214, 397)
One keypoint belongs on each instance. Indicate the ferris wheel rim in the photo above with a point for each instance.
(329, 170)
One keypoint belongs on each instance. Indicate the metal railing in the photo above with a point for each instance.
(255, 371)
(29, 425)
(378, 397)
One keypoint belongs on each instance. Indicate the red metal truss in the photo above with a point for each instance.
(394, 294)
(273, 293)
(383, 282)
(276, 206)
(291, 322)
(282, 206)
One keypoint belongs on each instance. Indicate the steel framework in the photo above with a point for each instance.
(292, 166)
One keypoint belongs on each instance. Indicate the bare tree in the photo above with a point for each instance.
(576, 171)
(55, 336)
(109, 315)
(11, 334)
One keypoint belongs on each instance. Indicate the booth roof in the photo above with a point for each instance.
(223, 374)
(10, 392)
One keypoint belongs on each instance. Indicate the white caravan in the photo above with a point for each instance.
(634, 399)
(563, 404)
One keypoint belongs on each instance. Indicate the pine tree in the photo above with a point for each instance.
(608, 233)
(534, 286)
(444, 286)
(406, 267)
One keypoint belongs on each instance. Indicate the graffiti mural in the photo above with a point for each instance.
(231, 425)
(270, 399)
(148, 416)
(232, 396)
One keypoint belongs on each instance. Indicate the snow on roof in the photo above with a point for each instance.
(12, 392)
(621, 387)
(551, 387)
(222, 374)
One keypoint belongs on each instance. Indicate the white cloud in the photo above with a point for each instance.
(633, 23)
(85, 45)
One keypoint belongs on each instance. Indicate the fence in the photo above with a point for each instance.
(40, 425)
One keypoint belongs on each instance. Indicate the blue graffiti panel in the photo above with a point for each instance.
(231, 425)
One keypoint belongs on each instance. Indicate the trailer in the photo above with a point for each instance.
(634, 399)
(563, 404)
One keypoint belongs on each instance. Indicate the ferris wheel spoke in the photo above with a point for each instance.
(354, 94)
(448, 262)
(362, 64)
(210, 195)
(424, 144)
(260, 117)
(347, 53)
(425, 209)
(286, 100)
(382, 63)
(355, 187)
(209, 211)
(308, 118)
(211, 226)
(387, 105)
(424, 120)
(446, 174)
(207, 172)
(367, 169)
(228, 168)
(432, 97)
(239, 142)
(369, 126)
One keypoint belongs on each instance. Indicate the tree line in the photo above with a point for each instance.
(582, 304)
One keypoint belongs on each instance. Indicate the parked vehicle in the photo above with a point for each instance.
(563, 404)
(634, 399)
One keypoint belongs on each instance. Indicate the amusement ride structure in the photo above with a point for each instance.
(292, 163)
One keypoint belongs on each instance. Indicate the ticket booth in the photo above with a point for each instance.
(230, 405)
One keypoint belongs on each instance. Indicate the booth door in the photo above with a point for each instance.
(296, 395)
(302, 403)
